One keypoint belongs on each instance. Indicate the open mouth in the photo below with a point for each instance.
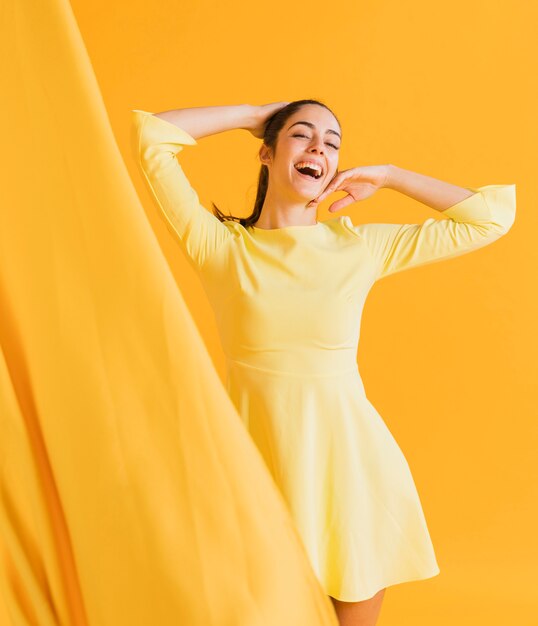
(308, 177)
(309, 171)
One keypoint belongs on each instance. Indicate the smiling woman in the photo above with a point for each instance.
(288, 294)
(288, 145)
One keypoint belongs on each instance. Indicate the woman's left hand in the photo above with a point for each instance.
(359, 183)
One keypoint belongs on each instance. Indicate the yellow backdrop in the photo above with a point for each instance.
(448, 351)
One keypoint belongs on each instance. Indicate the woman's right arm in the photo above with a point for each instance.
(203, 121)
(156, 139)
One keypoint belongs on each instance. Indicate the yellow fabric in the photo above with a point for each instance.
(130, 492)
(288, 304)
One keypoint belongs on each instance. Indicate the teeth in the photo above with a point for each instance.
(311, 165)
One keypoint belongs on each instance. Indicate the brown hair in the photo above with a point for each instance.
(273, 126)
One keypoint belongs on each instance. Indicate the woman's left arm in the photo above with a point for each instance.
(476, 216)
(435, 193)
(483, 215)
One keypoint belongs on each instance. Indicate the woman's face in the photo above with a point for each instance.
(310, 134)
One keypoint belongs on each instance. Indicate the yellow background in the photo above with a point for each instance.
(448, 351)
(447, 91)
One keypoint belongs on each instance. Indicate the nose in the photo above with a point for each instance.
(317, 147)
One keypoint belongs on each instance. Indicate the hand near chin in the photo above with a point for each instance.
(358, 182)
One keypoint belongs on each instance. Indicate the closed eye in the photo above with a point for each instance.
(327, 142)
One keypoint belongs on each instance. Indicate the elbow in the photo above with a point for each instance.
(502, 204)
(505, 221)
(506, 226)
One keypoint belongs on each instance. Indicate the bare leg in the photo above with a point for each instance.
(362, 613)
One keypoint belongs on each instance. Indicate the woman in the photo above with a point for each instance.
(288, 292)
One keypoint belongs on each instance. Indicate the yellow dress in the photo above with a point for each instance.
(288, 305)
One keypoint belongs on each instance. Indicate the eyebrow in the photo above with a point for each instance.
(313, 126)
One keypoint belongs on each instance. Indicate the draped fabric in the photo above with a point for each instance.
(131, 492)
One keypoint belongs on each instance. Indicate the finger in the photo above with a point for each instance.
(323, 194)
(331, 187)
(328, 190)
(341, 203)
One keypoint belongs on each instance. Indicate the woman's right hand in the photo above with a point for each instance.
(260, 115)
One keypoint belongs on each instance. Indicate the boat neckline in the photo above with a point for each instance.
(291, 227)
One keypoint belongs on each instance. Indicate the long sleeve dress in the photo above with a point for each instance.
(288, 304)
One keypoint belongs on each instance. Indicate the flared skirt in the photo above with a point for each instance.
(342, 474)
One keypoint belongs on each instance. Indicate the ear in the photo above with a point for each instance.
(265, 154)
